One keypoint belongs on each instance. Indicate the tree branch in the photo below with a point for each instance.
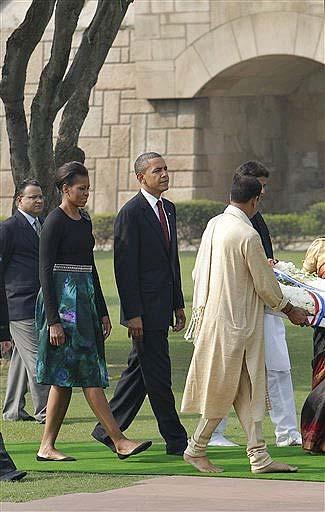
(109, 14)
(21, 45)
(77, 107)
(40, 149)
(19, 49)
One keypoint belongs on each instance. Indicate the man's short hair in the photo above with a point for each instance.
(142, 161)
(253, 168)
(20, 188)
(244, 188)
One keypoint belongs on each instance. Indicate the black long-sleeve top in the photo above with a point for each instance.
(69, 241)
(262, 229)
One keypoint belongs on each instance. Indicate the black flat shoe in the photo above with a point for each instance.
(144, 446)
(48, 459)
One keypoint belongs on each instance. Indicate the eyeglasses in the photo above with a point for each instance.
(35, 197)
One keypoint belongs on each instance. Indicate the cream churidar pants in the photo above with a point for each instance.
(256, 446)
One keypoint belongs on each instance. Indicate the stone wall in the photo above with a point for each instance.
(306, 143)
(206, 83)
(182, 44)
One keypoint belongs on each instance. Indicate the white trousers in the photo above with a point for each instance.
(283, 413)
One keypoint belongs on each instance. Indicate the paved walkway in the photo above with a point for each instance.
(188, 494)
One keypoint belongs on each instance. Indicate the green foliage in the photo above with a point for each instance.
(313, 221)
(193, 216)
(103, 228)
(284, 227)
(290, 227)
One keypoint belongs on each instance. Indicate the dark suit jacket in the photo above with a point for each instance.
(147, 273)
(19, 282)
(262, 229)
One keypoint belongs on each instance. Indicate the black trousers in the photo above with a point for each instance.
(148, 372)
(6, 462)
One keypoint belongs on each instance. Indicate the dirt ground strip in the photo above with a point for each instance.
(187, 494)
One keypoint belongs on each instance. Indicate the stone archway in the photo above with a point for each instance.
(263, 76)
(244, 38)
(251, 87)
(271, 109)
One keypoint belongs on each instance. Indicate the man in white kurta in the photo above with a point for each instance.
(228, 363)
(277, 361)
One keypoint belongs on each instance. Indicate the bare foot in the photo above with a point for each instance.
(276, 467)
(125, 446)
(202, 464)
(51, 453)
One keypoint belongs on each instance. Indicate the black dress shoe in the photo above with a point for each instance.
(27, 418)
(13, 476)
(105, 440)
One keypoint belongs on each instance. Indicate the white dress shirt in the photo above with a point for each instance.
(30, 218)
(152, 200)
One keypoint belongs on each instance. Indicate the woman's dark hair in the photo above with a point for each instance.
(244, 188)
(67, 174)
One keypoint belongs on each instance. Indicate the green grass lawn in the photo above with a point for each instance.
(80, 421)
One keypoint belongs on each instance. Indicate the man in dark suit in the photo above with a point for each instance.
(8, 470)
(19, 283)
(148, 279)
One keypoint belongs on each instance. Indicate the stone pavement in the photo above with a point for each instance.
(189, 494)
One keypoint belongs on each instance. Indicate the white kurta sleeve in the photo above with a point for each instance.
(265, 282)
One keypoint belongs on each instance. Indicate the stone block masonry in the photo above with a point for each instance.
(207, 83)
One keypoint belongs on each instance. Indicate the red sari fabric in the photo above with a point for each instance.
(313, 411)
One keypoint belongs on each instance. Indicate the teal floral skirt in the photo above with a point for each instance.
(80, 361)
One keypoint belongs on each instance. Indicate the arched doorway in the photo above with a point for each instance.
(270, 108)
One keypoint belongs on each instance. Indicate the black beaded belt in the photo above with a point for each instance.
(66, 267)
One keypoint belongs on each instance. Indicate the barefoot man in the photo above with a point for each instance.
(232, 282)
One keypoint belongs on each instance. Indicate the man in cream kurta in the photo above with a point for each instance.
(228, 364)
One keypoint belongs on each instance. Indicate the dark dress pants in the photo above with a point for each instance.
(6, 462)
(148, 372)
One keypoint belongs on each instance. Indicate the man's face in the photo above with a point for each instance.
(31, 200)
(263, 182)
(155, 179)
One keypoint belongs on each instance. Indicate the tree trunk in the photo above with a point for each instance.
(43, 111)
(19, 48)
(96, 42)
(32, 153)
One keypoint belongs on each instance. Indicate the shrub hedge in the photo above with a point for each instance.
(193, 216)
(103, 228)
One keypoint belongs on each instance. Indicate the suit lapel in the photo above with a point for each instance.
(153, 220)
(27, 230)
(172, 227)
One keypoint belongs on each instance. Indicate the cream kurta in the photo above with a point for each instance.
(241, 282)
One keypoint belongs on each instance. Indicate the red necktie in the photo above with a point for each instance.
(163, 221)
